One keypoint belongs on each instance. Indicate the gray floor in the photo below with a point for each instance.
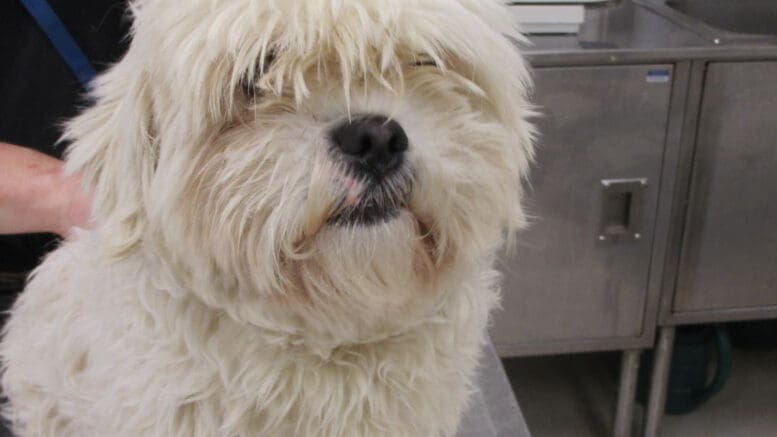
(574, 395)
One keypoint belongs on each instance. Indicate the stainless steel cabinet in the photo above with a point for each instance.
(578, 278)
(728, 263)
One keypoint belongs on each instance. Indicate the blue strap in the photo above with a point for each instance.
(57, 33)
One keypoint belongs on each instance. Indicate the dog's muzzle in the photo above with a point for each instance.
(371, 150)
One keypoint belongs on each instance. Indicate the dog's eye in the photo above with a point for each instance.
(249, 83)
(424, 61)
(248, 86)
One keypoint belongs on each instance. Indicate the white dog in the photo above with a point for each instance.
(297, 204)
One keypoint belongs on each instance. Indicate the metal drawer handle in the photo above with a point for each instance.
(622, 205)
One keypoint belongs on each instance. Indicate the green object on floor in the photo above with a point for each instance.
(690, 386)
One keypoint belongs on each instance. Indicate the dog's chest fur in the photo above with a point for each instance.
(133, 360)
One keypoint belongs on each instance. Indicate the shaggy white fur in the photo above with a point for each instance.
(215, 297)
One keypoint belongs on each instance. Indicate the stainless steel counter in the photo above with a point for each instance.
(493, 410)
(712, 135)
(637, 31)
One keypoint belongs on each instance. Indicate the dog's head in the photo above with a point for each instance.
(325, 168)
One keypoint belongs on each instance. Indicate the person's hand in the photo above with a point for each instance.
(76, 205)
(35, 196)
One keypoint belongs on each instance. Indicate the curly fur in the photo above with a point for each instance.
(213, 296)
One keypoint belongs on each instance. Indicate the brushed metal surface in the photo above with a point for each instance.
(627, 391)
(722, 22)
(643, 32)
(561, 283)
(493, 410)
(681, 162)
(659, 381)
(616, 28)
(741, 16)
(622, 210)
(729, 254)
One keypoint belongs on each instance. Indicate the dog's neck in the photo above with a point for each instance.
(279, 326)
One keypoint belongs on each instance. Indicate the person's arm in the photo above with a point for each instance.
(35, 196)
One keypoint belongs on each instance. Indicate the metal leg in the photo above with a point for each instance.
(659, 381)
(624, 414)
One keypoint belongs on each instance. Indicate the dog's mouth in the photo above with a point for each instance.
(366, 201)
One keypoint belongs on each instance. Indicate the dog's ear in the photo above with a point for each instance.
(113, 148)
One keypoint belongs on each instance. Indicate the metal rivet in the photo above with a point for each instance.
(637, 236)
(602, 238)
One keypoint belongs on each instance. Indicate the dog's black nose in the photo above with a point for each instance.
(373, 141)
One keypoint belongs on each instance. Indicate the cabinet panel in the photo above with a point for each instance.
(562, 283)
(729, 254)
